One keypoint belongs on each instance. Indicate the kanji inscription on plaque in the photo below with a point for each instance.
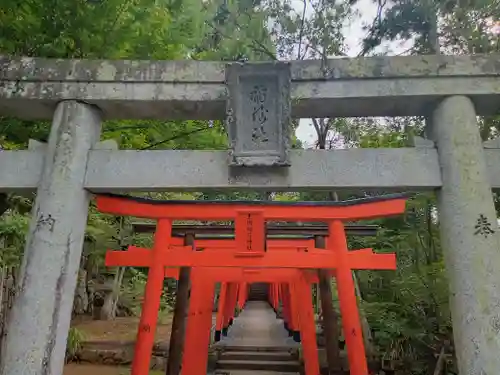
(258, 113)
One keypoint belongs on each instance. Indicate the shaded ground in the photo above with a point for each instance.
(77, 369)
(108, 346)
(112, 334)
(120, 329)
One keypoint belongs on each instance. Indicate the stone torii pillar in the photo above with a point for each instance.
(469, 235)
(40, 317)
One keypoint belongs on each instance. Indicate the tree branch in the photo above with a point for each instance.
(181, 135)
(376, 22)
(302, 23)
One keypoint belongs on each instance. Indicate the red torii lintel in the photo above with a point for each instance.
(313, 259)
(356, 209)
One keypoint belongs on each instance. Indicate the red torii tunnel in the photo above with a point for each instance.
(250, 258)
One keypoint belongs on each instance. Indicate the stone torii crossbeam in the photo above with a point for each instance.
(78, 94)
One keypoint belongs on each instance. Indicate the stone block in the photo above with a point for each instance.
(258, 114)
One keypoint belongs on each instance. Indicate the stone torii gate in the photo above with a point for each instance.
(257, 101)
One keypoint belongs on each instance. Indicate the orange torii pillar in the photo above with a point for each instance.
(231, 299)
(351, 324)
(301, 281)
(224, 315)
(242, 295)
(152, 294)
(219, 321)
(199, 323)
(273, 296)
(199, 316)
(178, 256)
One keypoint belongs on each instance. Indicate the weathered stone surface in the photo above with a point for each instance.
(118, 171)
(420, 142)
(258, 114)
(492, 143)
(191, 71)
(41, 313)
(469, 237)
(375, 86)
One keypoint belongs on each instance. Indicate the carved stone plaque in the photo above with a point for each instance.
(258, 113)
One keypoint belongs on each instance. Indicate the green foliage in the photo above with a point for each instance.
(133, 292)
(74, 343)
(453, 26)
(12, 233)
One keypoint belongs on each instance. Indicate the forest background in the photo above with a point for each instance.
(407, 310)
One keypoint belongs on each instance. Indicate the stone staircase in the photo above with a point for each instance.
(242, 360)
(258, 292)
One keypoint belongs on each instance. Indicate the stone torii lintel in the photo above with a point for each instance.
(346, 87)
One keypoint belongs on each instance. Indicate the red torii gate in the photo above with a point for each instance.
(371, 261)
(248, 251)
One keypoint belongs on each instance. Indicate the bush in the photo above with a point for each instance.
(74, 343)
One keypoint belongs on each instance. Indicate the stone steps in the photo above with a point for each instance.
(258, 292)
(252, 348)
(275, 356)
(281, 366)
(258, 360)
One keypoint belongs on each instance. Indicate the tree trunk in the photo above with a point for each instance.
(176, 347)
(4, 204)
(365, 326)
(330, 317)
(3, 276)
(116, 294)
(440, 363)
(8, 295)
(108, 309)
(81, 301)
(433, 33)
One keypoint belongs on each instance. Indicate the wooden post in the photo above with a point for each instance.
(151, 305)
(330, 318)
(195, 360)
(286, 308)
(219, 321)
(176, 346)
(242, 295)
(301, 291)
(230, 303)
(348, 304)
(295, 302)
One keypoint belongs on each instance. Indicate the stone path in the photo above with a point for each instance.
(257, 325)
(257, 343)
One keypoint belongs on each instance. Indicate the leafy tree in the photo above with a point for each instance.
(434, 26)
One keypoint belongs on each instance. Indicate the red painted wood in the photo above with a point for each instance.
(219, 320)
(177, 256)
(306, 323)
(347, 299)
(288, 265)
(197, 341)
(151, 305)
(250, 231)
(214, 211)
